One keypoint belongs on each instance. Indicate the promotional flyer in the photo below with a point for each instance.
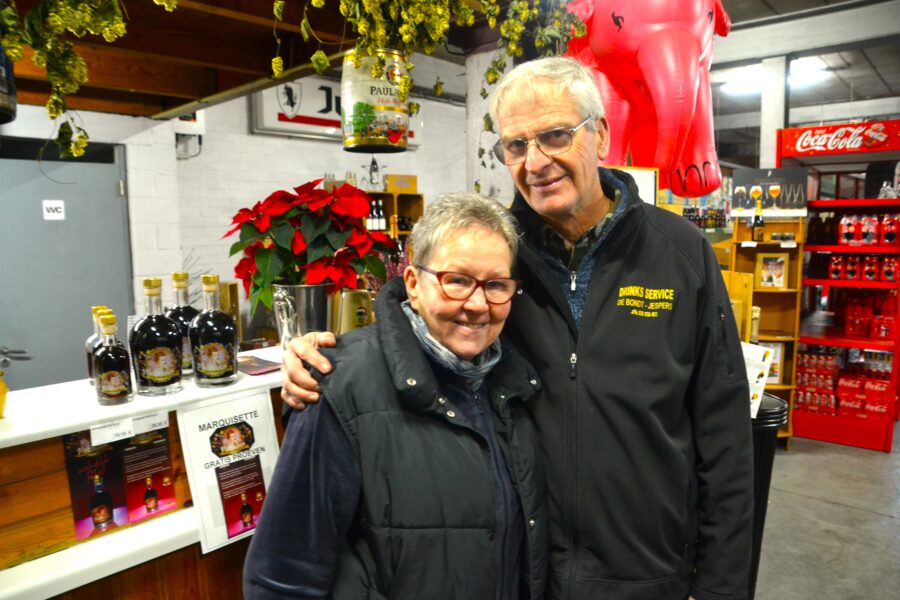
(230, 448)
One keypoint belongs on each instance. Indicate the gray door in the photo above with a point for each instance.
(64, 246)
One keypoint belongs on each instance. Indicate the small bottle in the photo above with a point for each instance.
(213, 340)
(757, 224)
(246, 512)
(101, 506)
(151, 497)
(156, 346)
(183, 314)
(380, 222)
(111, 367)
(3, 391)
(91, 342)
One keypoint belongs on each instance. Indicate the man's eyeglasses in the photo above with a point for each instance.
(459, 286)
(551, 142)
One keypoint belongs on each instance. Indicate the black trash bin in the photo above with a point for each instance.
(772, 414)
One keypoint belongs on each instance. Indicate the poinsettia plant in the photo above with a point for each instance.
(308, 236)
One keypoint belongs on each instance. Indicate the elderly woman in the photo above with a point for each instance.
(416, 478)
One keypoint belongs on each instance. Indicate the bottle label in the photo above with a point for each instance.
(187, 362)
(113, 384)
(158, 365)
(214, 359)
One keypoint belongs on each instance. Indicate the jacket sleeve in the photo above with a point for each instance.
(309, 508)
(719, 407)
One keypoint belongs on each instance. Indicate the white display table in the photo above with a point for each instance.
(49, 411)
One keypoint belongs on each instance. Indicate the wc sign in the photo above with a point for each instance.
(54, 210)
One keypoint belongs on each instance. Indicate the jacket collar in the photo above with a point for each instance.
(611, 179)
(414, 376)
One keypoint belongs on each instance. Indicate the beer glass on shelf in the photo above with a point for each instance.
(756, 192)
(740, 199)
(774, 192)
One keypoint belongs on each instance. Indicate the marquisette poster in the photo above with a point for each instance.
(230, 448)
(96, 485)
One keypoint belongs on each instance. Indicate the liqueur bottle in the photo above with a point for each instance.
(156, 347)
(757, 223)
(151, 497)
(101, 508)
(246, 512)
(213, 340)
(183, 314)
(3, 391)
(111, 366)
(92, 341)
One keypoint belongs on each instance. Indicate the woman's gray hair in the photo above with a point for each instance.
(557, 75)
(461, 210)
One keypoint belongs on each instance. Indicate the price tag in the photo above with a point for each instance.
(151, 422)
(748, 244)
(111, 432)
(788, 244)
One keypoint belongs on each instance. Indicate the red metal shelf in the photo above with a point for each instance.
(765, 290)
(853, 249)
(862, 203)
(856, 283)
(874, 434)
(832, 336)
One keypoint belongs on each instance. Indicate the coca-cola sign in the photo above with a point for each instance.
(877, 136)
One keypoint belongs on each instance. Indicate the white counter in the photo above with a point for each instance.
(49, 411)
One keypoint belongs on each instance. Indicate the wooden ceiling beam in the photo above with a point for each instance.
(259, 14)
(37, 93)
(134, 74)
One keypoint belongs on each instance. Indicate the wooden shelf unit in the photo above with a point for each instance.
(397, 205)
(780, 307)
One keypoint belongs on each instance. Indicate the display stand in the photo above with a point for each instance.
(779, 300)
(846, 149)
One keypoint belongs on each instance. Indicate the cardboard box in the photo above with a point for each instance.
(401, 184)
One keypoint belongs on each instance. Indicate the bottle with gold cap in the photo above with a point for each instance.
(156, 346)
(213, 339)
(92, 341)
(111, 366)
(183, 314)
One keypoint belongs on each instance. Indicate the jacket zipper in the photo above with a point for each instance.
(572, 284)
(573, 362)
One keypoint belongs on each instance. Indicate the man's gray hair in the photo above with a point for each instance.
(453, 212)
(557, 75)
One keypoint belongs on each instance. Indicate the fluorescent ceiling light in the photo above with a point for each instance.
(745, 81)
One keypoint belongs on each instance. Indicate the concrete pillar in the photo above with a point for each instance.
(773, 107)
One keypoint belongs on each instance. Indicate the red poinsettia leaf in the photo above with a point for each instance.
(349, 278)
(382, 238)
(350, 201)
(262, 223)
(278, 203)
(335, 274)
(316, 272)
(360, 241)
(318, 200)
(298, 244)
(307, 187)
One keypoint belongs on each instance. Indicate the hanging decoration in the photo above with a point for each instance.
(651, 59)
(373, 117)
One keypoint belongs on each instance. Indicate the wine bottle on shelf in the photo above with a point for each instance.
(151, 497)
(213, 340)
(246, 512)
(156, 346)
(380, 221)
(183, 314)
(111, 366)
(92, 341)
(757, 224)
(101, 506)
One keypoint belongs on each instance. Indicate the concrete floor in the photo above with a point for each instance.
(833, 525)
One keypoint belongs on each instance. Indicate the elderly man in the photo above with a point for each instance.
(644, 418)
